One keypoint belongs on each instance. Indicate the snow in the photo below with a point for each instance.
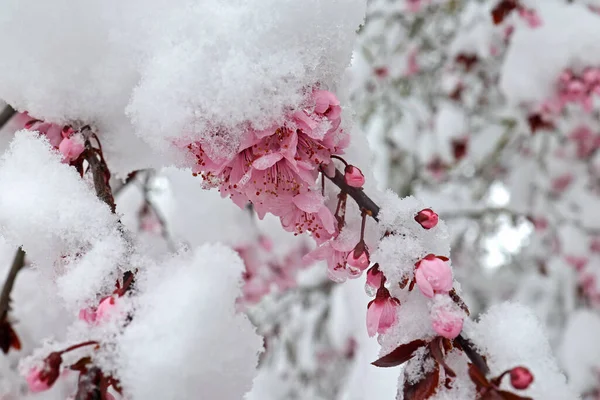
(579, 351)
(46, 207)
(536, 57)
(510, 335)
(186, 337)
(148, 72)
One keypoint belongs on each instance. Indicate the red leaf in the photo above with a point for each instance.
(477, 377)
(536, 122)
(425, 388)
(400, 355)
(511, 396)
(502, 9)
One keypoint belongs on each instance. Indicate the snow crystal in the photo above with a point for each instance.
(186, 337)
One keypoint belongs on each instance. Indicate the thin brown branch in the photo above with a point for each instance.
(100, 173)
(17, 264)
(7, 113)
(359, 196)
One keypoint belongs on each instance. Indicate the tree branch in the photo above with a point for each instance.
(6, 114)
(366, 203)
(359, 196)
(100, 173)
(17, 264)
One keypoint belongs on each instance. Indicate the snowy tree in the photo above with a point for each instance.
(190, 207)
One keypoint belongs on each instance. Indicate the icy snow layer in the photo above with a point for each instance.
(186, 337)
(568, 38)
(170, 69)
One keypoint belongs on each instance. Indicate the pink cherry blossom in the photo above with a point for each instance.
(577, 262)
(354, 176)
(381, 312)
(327, 104)
(531, 17)
(585, 140)
(71, 148)
(106, 309)
(360, 260)
(562, 182)
(433, 275)
(335, 252)
(88, 315)
(595, 245)
(35, 381)
(374, 280)
(447, 323)
(520, 378)
(427, 218)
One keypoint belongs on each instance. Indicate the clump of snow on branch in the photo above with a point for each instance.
(186, 337)
(151, 68)
(510, 335)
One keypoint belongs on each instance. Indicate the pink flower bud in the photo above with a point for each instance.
(88, 315)
(42, 378)
(354, 176)
(35, 382)
(381, 312)
(575, 88)
(447, 323)
(71, 148)
(591, 76)
(433, 275)
(106, 308)
(361, 262)
(531, 17)
(520, 378)
(427, 218)
(566, 76)
(359, 257)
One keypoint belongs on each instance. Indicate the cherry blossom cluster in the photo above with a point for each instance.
(574, 88)
(265, 272)
(275, 169)
(65, 139)
(433, 277)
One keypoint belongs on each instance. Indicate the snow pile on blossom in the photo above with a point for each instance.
(171, 70)
(186, 338)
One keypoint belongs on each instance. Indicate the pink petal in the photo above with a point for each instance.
(310, 202)
(266, 161)
(423, 283)
(327, 219)
(373, 315)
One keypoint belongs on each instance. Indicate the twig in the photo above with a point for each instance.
(128, 181)
(157, 212)
(359, 196)
(100, 173)
(6, 114)
(365, 203)
(17, 264)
